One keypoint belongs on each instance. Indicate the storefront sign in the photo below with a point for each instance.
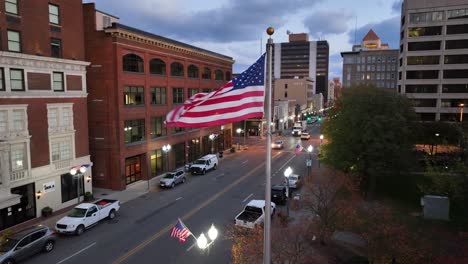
(49, 186)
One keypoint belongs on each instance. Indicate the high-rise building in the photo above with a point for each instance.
(371, 62)
(135, 79)
(433, 59)
(301, 58)
(43, 108)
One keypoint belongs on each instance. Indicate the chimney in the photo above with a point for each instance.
(301, 37)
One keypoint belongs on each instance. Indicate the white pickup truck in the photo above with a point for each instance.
(86, 215)
(253, 214)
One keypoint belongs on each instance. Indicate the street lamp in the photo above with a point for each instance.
(202, 241)
(78, 172)
(462, 106)
(212, 137)
(321, 139)
(166, 149)
(310, 148)
(239, 130)
(287, 173)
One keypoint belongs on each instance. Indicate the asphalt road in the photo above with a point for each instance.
(141, 231)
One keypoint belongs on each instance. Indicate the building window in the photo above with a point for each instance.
(422, 60)
(3, 121)
(453, 88)
(457, 13)
(157, 164)
(157, 66)
(54, 14)
(18, 120)
(134, 95)
(219, 75)
(52, 117)
(158, 95)
(14, 41)
(58, 82)
(456, 44)
(285, 94)
(422, 74)
(2, 80)
(456, 59)
(421, 88)
(206, 73)
(176, 130)
(424, 45)
(178, 95)
(177, 69)
(61, 150)
(134, 131)
(206, 90)
(228, 76)
(67, 117)
(457, 29)
(424, 17)
(132, 63)
(455, 74)
(69, 186)
(11, 7)
(192, 92)
(56, 48)
(18, 159)
(192, 71)
(424, 31)
(132, 169)
(17, 80)
(157, 127)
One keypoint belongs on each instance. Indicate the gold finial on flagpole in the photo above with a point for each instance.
(270, 31)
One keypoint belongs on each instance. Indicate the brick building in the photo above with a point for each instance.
(43, 107)
(134, 80)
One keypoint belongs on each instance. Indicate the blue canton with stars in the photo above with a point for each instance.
(253, 76)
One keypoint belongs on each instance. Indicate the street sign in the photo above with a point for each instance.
(309, 163)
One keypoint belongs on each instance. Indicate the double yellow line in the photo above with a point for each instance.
(166, 229)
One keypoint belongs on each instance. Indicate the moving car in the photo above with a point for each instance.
(26, 243)
(294, 181)
(86, 215)
(253, 214)
(172, 178)
(277, 144)
(278, 194)
(305, 136)
(204, 164)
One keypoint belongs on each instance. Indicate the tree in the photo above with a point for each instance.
(369, 131)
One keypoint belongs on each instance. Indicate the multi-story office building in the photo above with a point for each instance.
(433, 59)
(301, 58)
(43, 108)
(371, 62)
(134, 80)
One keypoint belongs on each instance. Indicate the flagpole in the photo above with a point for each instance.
(266, 236)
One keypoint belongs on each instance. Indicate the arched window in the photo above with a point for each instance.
(206, 73)
(157, 66)
(192, 71)
(132, 63)
(228, 76)
(219, 75)
(177, 69)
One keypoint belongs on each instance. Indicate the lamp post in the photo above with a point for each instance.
(212, 137)
(437, 139)
(78, 172)
(202, 241)
(245, 130)
(166, 149)
(239, 130)
(310, 148)
(321, 139)
(462, 106)
(287, 173)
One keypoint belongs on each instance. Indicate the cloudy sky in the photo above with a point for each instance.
(236, 28)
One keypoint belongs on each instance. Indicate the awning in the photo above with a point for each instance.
(8, 199)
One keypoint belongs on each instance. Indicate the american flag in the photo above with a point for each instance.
(298, 148)
(239, 99)
(180, 231)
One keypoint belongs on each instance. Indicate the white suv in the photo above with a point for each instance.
(172, 178)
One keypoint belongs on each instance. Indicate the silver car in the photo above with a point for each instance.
(26, 243)
(172, 178)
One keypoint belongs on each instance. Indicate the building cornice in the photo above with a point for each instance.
(12, 59)
(160, 43)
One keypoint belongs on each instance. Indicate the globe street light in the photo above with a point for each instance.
(310, 148)
(239, 130)
(462, 106)
(166, 149)
(321, 139)
(202, 240)
(212, 137)
(78, 172)
(287, 173)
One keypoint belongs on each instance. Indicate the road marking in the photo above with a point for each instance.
(244, 162)
(285, 163)
(166, 229)
(250, 195)
(178, 198)
(71, 256)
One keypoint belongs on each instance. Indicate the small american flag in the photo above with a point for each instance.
(239, 99)
(180, 231)
(298, 149)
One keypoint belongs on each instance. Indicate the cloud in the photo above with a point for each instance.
(396, 6)
(328, 22)
(230, 21)
(388, 30)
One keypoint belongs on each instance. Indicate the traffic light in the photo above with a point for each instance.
(308, 118)
(319, 118)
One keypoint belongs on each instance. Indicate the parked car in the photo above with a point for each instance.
(172, 178)
(277, 144)
(26, 243)
(86, 215)
(253, 214)
(204, 164)
(305, 135)
(294, 181)
(278, 194)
